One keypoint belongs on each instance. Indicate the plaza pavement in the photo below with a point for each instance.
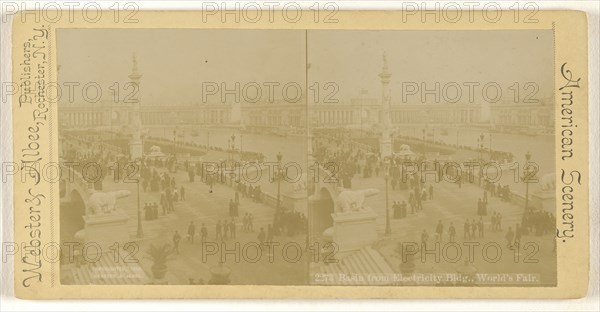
(201, 206)
(454, 204)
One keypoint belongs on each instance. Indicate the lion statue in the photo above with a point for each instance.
(155, 149)
(101, 202)
(352, 201)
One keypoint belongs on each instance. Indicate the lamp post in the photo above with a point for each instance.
(174, 135)
(424, 144)
(388, 229)
(232, 146)
(526, 178)
(228, 149)
(457, 135)
(490, 134)
(140, 231)
(279, 176)
(480, 145)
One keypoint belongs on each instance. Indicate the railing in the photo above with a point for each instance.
(75, 177)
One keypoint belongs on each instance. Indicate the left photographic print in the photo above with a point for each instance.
(176, 175)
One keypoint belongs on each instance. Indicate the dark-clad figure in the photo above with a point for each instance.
(191, 231)
(499, 221)
(218, 230)
(430, 191)
(163, 203)
(245, 222)
(518, 234)
(154, 212)
(467, 229)
(182, 193)
(251, 223)
(424, 238)
(451, 232)
(261, 236)
(147, 212)
(510, 235)
(232, 228)
(176, 239)
(439, 230)
(203, 233)
(480, 227)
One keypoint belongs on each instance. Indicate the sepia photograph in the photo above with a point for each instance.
(443, 146)
(179, 169)
(299, 156)
(319, 157)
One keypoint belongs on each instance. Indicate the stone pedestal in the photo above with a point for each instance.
(297, 201)
(106, 229)
(385, 146)
(545, 200)
(354, 230)
(136, 149)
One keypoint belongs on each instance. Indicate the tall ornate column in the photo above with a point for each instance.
(385, 143)
(135, 146)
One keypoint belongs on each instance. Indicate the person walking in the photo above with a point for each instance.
(225, 228)
(510, 235)
(203, 233)
(269, 233)
(467, 229)
(430, 191)
(218, 231)
(191, 232)
(245, 222)
(424, 238)
(439, 230)
(518, 234)
(176, 239)
(480, 227)
(232, 228)
(231, 208)
(451, 232)
(499, 221)
(261, 236)
(251, 223)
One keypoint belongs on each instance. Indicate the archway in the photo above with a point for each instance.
(322, 206)
(72, 211)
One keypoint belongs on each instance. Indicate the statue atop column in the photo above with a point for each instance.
(385, 143)
(136, 147)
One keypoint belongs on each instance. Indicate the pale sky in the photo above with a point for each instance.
(354, 58)
(175, 62)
